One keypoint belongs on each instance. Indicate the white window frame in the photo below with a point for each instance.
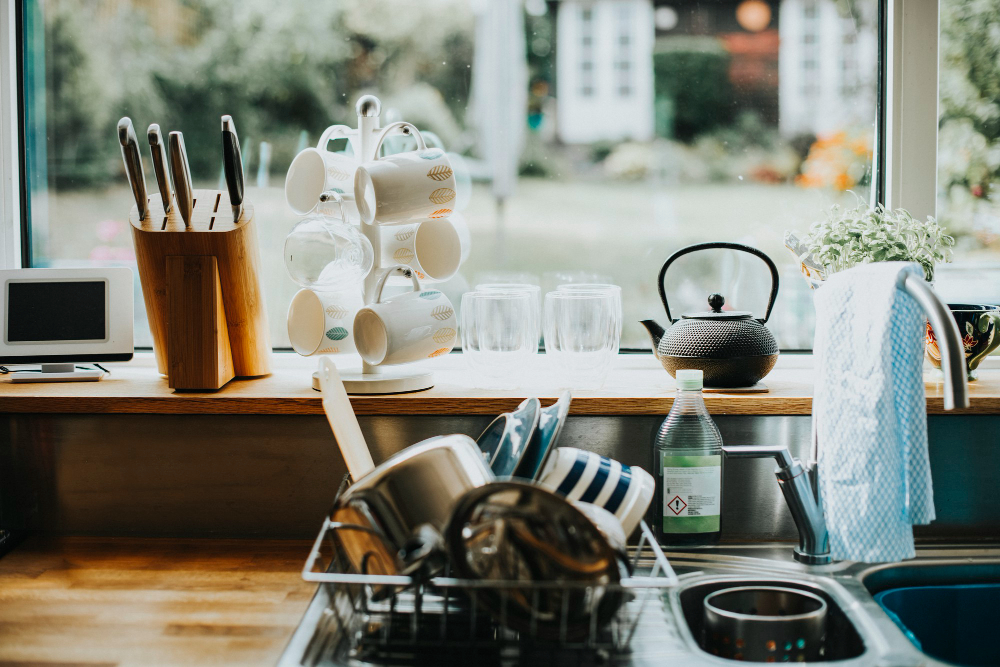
(910, 135)
(10, 176)
(912, 106)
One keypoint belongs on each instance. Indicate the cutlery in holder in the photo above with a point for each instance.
(201, 285)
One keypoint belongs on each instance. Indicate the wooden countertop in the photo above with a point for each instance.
(637, 386)
(107, 602)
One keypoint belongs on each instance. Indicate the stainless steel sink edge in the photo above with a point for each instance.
(876, 645)
(885, 643)
(844, 582)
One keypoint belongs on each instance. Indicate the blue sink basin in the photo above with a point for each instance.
(953, 623)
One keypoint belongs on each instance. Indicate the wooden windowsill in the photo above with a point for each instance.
(637, 386)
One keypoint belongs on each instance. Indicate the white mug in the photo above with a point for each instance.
(433, 248)
(405, 187)
(579, 475)
(462, 227)
(317, 170)
(415, 325)
(323, 322)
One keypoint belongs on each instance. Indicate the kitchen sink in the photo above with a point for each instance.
(842, 640)
(947, 609)
(860, 633)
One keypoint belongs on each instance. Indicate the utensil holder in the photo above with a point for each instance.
(201, 285)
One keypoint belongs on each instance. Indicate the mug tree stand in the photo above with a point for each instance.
(364, 141)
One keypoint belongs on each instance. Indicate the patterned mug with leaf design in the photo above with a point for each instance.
(406, 187)
(323, 322)
(978, 325)
(432, 248)
(414, 325)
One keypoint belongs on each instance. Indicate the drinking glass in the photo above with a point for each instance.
(614, 290)
(582, 335)
(551, 280)
(498, 337)
(536, 300)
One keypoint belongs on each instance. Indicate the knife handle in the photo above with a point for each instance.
(233, 164)
(181, 171)
(161, 167)
(133, 164)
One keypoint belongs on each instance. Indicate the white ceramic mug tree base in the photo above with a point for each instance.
(388, 381)
(365, 141)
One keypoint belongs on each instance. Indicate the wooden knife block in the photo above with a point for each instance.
(202, 291)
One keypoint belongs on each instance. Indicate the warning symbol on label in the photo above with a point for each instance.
(677, 505)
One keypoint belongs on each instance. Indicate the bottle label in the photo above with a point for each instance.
(692, 493)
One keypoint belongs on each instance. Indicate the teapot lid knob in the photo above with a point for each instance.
(715, 302)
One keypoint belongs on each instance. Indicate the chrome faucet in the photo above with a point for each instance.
(799, 482)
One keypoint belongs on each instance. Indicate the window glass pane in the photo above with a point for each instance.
(629, 128)
(968, 203)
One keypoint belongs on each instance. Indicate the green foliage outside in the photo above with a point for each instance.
(969, 135)
(281, 68)
(693, 73)
(278, 68)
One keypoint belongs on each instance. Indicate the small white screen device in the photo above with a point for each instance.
(65, 316)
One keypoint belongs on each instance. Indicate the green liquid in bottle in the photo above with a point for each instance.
(688, 464)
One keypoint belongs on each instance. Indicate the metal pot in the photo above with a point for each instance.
(408, 492)
(731, 348)
(765, 624)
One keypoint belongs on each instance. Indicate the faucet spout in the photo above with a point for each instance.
(798, 486)
(956, 381)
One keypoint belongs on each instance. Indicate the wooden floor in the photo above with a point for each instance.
(103, 601)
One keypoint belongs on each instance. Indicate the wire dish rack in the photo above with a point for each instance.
(397, 620)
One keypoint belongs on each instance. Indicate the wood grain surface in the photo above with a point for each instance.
(234, 245)
(131, 602)
(637, 386)
(201, 356)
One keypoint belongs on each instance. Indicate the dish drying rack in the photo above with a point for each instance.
(438, 622)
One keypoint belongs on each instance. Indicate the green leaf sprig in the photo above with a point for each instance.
(849, 237)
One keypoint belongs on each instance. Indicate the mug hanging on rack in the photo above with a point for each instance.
(322, 252)
(317, 170)
(405, 187)
(323, 322)
(415, 325)
(432, 248)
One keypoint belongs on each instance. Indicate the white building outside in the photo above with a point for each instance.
(604, 70)
(826, 81)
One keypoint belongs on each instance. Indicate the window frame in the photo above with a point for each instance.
(905, 155)
(911, 102)
(13, 224)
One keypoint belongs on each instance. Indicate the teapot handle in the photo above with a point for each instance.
(727, 246)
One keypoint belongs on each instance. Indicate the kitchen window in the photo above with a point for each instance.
(707, 129)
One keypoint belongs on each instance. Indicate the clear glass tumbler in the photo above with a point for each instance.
(582, 335)
(616, 294)
(536, 300)
(498, 336)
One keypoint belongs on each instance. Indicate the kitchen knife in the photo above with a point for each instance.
(233, 163)
(158, 151)
(133, 164)
(181, 171)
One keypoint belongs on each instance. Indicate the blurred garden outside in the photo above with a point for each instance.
(718, 167)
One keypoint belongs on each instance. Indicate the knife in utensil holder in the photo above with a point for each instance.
(201, 285)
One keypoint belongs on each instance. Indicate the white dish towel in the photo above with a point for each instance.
(870, 414)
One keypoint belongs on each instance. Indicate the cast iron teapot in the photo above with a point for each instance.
(730, 347)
